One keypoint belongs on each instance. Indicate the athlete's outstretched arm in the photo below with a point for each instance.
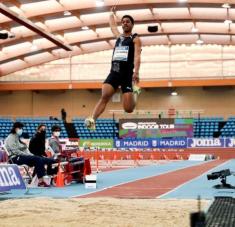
(113, 25)
(137, 59)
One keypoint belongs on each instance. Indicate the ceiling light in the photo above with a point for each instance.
(99, 3)
(228, 22)
(174, 93)
(85, 28)
(182, 0)
(194, 29)
(226, 5)
(199, 41)
(67, 13)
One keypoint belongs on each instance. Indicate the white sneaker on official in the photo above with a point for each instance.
(90, 123)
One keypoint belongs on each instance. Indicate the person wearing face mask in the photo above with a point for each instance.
(75, 163)
(19, 154)
(37, 142)
(38, 148)
(54, 142)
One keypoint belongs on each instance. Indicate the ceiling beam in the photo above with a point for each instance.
(13, 2)
(84, 11)
(120, 7)
(30, 25)
(108, 39)
(137, 22)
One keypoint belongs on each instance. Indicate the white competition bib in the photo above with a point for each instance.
(121, 53)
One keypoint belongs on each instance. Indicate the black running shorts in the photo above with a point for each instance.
(123, 80)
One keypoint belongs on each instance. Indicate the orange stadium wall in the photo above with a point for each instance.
(213, 101)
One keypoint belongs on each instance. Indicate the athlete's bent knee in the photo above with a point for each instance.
(129, 109)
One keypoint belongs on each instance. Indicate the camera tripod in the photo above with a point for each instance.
(224, 184)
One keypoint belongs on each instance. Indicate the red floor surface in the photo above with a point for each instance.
(158, 185)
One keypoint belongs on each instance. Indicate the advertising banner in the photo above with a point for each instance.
(10, 178)
(136, 143)
(172, 143)
(96, 143)
(3, 155)
(155, 128)
(151, 143)
(205, 143)
(230, 142)
(68, 143)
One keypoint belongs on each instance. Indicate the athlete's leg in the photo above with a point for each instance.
(108, 89)
(130, 93)
(107, 93)
(128, 102)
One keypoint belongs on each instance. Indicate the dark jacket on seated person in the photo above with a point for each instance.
(37, 144)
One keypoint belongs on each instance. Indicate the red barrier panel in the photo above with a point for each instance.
(137, 156)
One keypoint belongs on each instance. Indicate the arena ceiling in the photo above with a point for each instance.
(46, 30)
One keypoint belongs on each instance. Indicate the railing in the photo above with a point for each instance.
(159, 113)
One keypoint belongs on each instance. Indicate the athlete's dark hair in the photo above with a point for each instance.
(129, 17)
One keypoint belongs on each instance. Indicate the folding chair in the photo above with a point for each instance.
(26, 169)
(50, 152)
(72, 167)
(60, 165)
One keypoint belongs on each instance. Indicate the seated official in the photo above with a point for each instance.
(54, 142)
(38, 141)
(76, 164)
(38, 148)
(19, 154)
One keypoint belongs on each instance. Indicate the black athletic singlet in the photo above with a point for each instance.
(123, 54)
(122, 64)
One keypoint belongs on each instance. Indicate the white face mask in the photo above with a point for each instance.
(19, 131)
(57, 134)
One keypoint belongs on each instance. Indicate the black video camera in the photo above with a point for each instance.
(153, 28)
(6, 35)
(3, 35)
(220, 174)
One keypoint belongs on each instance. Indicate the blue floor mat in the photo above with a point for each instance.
(104, 180)
(202, 187)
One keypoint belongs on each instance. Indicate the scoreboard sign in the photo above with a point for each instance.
(155, 128)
